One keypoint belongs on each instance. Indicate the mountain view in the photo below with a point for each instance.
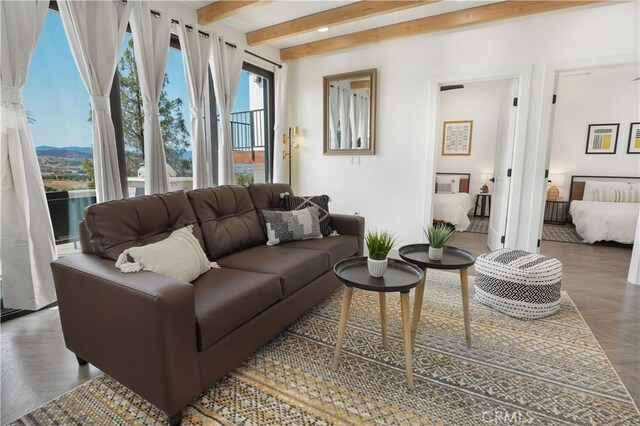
(70, 167)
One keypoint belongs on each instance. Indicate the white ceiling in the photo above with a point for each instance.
(278, 11)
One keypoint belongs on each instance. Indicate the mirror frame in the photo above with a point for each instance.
(371, 73)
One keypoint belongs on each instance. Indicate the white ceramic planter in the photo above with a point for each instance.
(435, 253)
(377, 268)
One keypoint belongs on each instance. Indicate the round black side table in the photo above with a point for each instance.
(452, 258)
(400, 277)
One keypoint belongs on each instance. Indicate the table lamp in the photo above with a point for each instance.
(556, 180)
(484, 178)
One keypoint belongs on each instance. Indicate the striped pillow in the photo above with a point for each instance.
(616, 196)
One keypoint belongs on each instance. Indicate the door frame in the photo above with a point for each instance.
(545, 126)
(524, 77)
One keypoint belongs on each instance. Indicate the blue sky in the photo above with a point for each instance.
(55, 95)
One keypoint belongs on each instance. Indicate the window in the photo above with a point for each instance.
(252, 126)
(174, 113)
(58, 109)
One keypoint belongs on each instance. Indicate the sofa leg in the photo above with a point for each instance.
(81, 361)
(176, 419)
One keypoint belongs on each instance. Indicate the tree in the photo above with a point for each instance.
(87, 168)
(172, 123)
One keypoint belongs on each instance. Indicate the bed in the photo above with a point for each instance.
(594, 213)
(452, 201)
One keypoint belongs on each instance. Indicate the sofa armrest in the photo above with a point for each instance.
(139, 328)
(349, 225)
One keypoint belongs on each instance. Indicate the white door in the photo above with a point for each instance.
(501, 169)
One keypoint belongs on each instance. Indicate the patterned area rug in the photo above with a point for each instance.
(561, 233)
(544, 372)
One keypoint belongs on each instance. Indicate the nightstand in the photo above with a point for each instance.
(555, 212)
(482, 199)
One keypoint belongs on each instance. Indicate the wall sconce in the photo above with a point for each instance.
(288, 140)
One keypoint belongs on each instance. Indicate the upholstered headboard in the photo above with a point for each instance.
(576, 192)
(464, 180)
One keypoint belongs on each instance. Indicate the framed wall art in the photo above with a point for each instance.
(634, 139)
(602, 138)
(456, 137)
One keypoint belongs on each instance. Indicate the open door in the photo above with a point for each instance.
(502, 168)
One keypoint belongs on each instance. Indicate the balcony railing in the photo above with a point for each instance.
(247, 130)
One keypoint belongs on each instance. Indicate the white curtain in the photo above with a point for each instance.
(279, 128)
(95, 30)
(345, 128)
(196, 49)
(27, 244)
(334, 116)
(151, 37)
(363, 121)
(226, 65)
(354, 120)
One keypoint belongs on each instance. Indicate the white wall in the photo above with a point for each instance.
(603, 96)
(480, 102)
(388, 188)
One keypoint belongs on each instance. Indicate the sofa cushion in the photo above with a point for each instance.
(335, 247)
(295, 267)
(227, 298)
(115, 226)
(266, 196)
(228, 219)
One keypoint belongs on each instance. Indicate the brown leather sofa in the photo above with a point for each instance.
(169, 340)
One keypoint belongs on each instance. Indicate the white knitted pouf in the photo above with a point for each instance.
(518, 283)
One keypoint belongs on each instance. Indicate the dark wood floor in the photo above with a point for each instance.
(36, 367)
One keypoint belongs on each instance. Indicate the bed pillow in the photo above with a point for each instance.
(178, 256)
(591, 185)
(616, 196)
(291, 202)
(295, 225)
(447, 184)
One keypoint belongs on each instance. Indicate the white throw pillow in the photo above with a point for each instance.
(591, 185)
(179, 256)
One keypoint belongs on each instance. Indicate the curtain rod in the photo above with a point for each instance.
(254, 54)
(174, 21)
(54, 6)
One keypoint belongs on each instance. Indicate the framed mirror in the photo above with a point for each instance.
(350, 113)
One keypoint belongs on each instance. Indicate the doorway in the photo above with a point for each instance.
(475, 154)
(592, 194)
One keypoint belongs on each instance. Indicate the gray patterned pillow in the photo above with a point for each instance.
(291, 202)
(292, 226)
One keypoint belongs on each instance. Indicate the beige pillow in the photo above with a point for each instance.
(179, 256)
(616, 195)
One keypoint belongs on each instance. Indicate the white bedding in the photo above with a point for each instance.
(453, 209)
(602, 221)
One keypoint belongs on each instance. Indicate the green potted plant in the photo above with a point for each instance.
(379, 244)
(437, 236)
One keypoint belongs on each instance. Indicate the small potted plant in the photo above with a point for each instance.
(438, 235)
(379, 245)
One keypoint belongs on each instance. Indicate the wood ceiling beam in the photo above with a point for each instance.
(360, 84)
(222, 9)
(339, 15)
(446, 21)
